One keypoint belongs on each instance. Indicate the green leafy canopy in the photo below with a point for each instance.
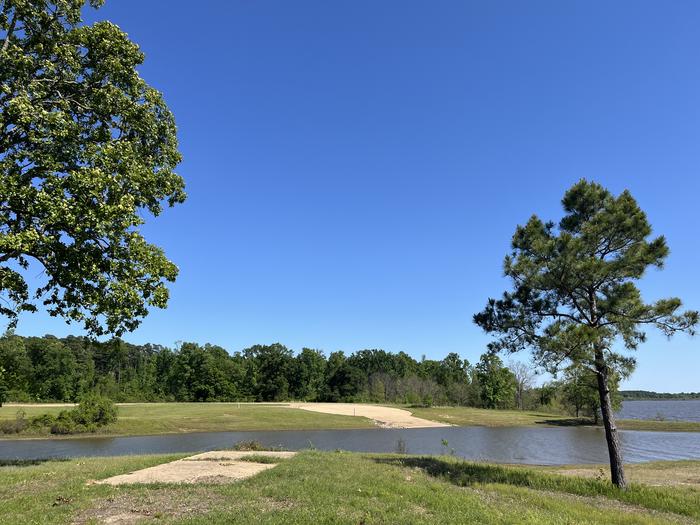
(87, 149)
(574, 284)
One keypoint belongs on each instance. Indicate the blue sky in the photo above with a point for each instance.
(355, 170)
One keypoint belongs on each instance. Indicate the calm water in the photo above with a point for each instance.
(669, 409)
(547, 446)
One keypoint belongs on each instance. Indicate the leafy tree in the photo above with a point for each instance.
(344, 381)
(381, 361)
(198, 376)
(574, 293)
(335, 361)
(546, 393)
(16, 363)
(87, 148)
(229, 373)
(309, 369)
(55, 370)
(453, 370)
(273, 364)
(164, 369)
(579, 389)
(497, 383)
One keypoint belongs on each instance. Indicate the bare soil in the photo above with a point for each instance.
(386, 417)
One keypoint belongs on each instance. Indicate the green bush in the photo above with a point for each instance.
(43, 420)
(92, 413)
(63, 423)
(94, 410)
(14, 426)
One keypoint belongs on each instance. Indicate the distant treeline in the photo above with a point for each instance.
(645, 394)
(46, 369)
(52, 369)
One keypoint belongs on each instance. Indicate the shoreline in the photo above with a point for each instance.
(161, 419)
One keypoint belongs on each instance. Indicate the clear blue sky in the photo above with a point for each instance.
(355, 170)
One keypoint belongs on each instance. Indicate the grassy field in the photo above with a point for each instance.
(466, 416)
(165, 418)
(339, 487)
(665, 426)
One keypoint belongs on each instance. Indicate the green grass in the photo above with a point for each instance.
(166, 418)
(259, 458)
(467, 416)
(659, 473)
(328, 487)
(665, 426)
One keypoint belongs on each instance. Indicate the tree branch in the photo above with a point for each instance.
(10, 30)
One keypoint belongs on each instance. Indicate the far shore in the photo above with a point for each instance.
(138, 419)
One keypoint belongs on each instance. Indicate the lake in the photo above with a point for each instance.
(663, 409)
(526, 445)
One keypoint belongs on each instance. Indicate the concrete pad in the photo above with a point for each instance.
(219, 466)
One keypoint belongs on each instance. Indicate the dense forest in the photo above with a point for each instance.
(47, 368)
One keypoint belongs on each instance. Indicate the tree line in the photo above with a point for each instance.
(646, 395)
(66, 369)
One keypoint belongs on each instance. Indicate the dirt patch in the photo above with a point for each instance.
(129, 508)
(220, 466)
(386, 417)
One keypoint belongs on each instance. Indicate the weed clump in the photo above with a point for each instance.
(254, 445)
(249, 445)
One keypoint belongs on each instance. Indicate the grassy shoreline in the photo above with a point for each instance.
(341, 487)
(467, 416)
(140, 419)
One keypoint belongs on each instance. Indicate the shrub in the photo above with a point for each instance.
(43, 420)
(14, 426)
(251, 445)
(63, 423)
(92, 413)
(94, 410)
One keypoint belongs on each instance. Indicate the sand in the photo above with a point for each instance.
(385, 417)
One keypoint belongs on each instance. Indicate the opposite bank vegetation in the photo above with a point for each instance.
(49, 369)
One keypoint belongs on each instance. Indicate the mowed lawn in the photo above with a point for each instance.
(163, 418)
(166, 418)
(346, 488)
(467, 416)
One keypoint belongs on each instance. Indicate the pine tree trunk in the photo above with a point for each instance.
(617, 470)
